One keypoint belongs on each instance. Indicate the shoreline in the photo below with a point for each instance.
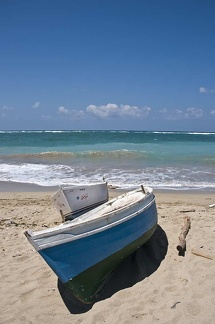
(12, 186)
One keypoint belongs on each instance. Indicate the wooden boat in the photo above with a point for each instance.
(72, 201)
(84, 251)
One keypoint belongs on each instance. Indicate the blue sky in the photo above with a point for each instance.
(137, 64)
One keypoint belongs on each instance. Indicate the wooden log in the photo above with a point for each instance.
(188, 211)
(185, 229)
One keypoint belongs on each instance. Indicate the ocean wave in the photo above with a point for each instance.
(120, 176)
(107, 131)
(58, 156)
(182, 132)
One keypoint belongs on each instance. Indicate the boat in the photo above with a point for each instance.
(73, 201)
(84, 252)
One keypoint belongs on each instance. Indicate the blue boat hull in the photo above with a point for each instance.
(84, 264)
(88, 285)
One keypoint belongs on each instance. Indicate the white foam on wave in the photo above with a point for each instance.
(59, 174)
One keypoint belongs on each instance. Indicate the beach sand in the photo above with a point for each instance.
(154, 285)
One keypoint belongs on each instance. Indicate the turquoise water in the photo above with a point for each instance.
(165, 160)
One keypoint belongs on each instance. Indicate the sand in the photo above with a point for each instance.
(155, 285)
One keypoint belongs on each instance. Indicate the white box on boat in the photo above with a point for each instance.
(70, 200)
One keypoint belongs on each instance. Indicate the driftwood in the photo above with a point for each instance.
(185, 229)
(203, 254)
(188, 211)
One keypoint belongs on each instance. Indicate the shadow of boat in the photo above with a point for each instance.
(139, 265)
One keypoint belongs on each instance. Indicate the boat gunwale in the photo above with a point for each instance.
(68, 223)
(72, 223)
(73, 237)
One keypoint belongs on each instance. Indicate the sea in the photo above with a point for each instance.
(125, 159)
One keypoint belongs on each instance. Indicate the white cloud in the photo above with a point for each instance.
(177, 114)
(163, 111)
(71, 114)
(213, 112)
(102, 111)
(205, 90)
(202, 90)
(193, 113)
(63, 111)
(171, 115)
(7, 111)
(111, 110)
(134, 111)
(36, 104)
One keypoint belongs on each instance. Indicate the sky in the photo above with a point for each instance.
(107, 64)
